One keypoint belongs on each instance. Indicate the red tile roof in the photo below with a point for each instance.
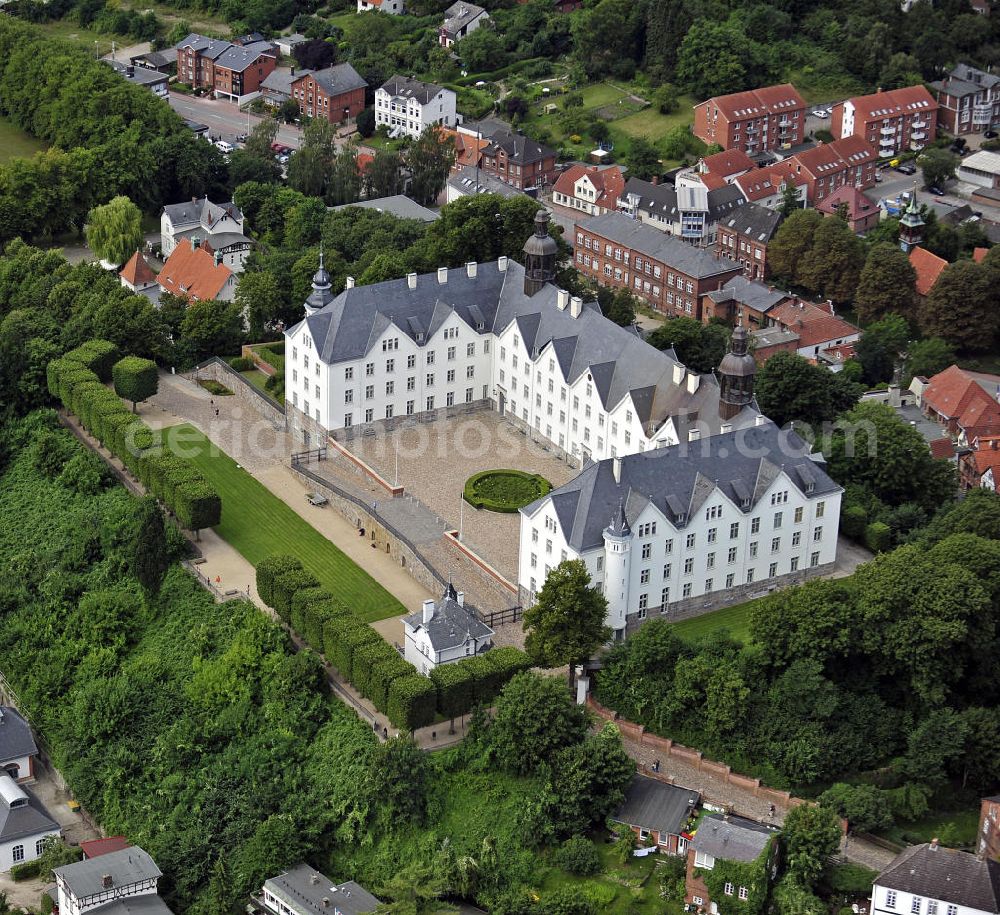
(608, 182)
(858, 205)
(94, 848)
(928, 267)
(893, 103)
(959, 396)
(193, 272)
(763, 182)
(137, 272)
(841, 353)
(942, 448)
(813, 324)
(727, 163)
(978, 254)
(758, 102)
(987, 454)
(833, 157)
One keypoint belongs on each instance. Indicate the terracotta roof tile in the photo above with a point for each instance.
(758, 102)
(858, 204)
(727, 163)
(192, 272)
(813, 324)
(608, 182)
(959, 396)
(893, 102)
(928, 267)
(942, 448)
(137, 272)
(978, 254)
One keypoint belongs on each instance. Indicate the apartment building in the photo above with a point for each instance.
(755, 121)
(518, 160)
(891, 122)
(590, 189)
(229, 70)
(968, 101)
(336, 94)
(408, 106)
(664, 271)
(849, 162)
(744, 237)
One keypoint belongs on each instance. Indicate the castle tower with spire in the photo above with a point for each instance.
(617, 543)
(540, 252)
(911, 225)
(736, 375)
(322, 292)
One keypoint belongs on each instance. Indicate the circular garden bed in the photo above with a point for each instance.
(504, 490)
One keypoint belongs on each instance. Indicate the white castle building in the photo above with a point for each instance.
(497, 335)
(674, 531)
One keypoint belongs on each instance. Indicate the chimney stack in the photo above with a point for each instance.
(934, 843)
(460, 597)
(195, 242)
(575, 306)
(442, 275)
(470, 269)
(760, 419)
(411, 280)
(428, 612)
(502, 263)
(314, 879)
(678, 373)
(562, 299)
(349, 284)
(107, 882)
(693, 380)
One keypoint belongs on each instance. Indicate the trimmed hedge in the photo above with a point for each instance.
(455, 688)
(411, 702)
(341, 636)
(173, 480)
(382, 676)
(269, 570)
(315, 618)
(366, 658)
(853, 521)
(511, 489)
(241, 364)
(285, 587)
(300, 601)
(878, 537)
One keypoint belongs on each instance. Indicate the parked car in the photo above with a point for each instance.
(907, 168)
(821, 113)
(224, 146)
(990, 134)
(242, 138)
(935, 190)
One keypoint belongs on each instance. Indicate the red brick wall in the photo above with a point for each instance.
(989, 816)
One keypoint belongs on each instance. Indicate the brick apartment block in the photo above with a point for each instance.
(755, 121)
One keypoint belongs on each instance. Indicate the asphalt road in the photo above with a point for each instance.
(225, 121)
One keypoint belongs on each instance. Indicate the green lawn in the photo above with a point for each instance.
(257, 523)
(736, 619)
(257, 378)
(15, 143)
(956, 828)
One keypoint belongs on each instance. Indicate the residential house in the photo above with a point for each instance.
(302, 890)
(119, 883)
(834, 357)
(849, 162)
(861, 213)
(153, 80)
(94, 848)
(688, 209)
(766, 187)
(928, 267)
(17, 745)
(658, 813)
(165, 61)
(229, 69)
(392, 7)
(744, 236)
(336, 94)
(518, 160)
(276, 89)
(731, 839)
(769, 341)
(891, 122)
(495, 334)
(199, 216)
(818, 327)
(197, 274)
(754, 121)
(928, 879)
(662, 270)
(722, 517)
(444, 631)
(407, 106)
(982, 455)
(968, 101)
(288, 43)
(989, 828)
(965, 403)
(24, 824)
(981, 169)
(460, 19)
(727, 165)
(138, 277)
(590, 189)
(743, 302)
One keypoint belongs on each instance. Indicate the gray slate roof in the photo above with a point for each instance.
(652, 804)
(519, 148)
(731, 838)
(21, 822)
(302, 893)
(758, 222)
(211, 48)
(126, 867)
(239, 57)
(620, 361)
(396, 205)
(200, 212)
(411, 88)
(943, 873)
(146, 904)
(661, 199)
(679, 479)
(470, 180)
(682, 257)
(451, 625)
(339, 79)
(281, 79)
(16, 739)
(756, 295)
(459, 15)
(157, 59)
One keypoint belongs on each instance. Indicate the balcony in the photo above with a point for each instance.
(784, 122)
(918, 135)
(919, 125)
(888, 131)
(752, 128)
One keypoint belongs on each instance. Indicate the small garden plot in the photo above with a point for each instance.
(213, 387)
(504, 490)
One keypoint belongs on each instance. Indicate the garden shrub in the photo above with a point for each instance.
(314, 618)
(198, 505)
(878, 537)
(284, 588)
(341, 635)
(269, 570)
(504, 490)
(507, 661)
(579, 856)
(411, 703)
(26, 871)
(215, 387)
(241, 364)
(363, 662)
(853, 521)
(455, 687)
(97, 355)
(135, 379)
(486, 679)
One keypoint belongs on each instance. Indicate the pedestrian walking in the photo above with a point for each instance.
(216, 411)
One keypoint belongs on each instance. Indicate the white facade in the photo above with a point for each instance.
(722, 546)
(173, 228)
(443, 633)
(584, 198)
(409, 116)
(459, 364)
(23, 849)
(20, 768)
(392, 7)
(94, 882)
(887, 901)
(24, 825)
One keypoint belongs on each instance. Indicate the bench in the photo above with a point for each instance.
(316, 498)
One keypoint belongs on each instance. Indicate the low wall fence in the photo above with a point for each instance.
(451, 538)
(365, 469)
(215, 369)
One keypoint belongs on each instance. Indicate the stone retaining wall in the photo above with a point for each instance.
(242, 390)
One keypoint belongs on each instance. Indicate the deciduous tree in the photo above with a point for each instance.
(430, 159)
(887, 283)
(114, 230)
(135, 379)
(789, 388)
(810, 834)
(960, 307)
